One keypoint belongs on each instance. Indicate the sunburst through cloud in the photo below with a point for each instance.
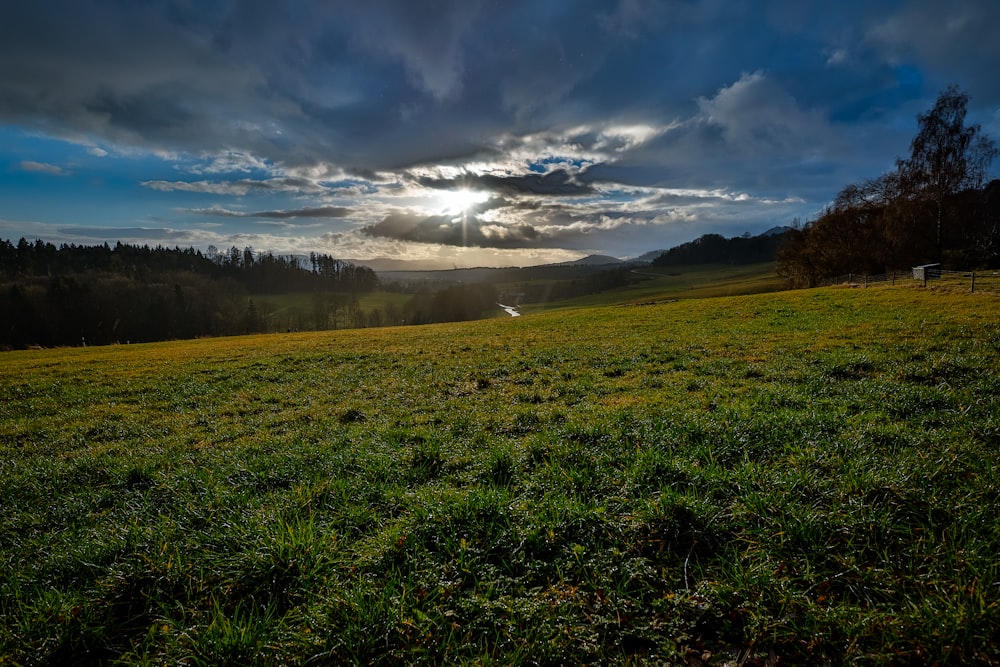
(457, 201)
(550, 134)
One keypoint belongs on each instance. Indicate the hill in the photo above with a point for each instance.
(592, 260)
(806, 477)
(652, 284)
(716, 249)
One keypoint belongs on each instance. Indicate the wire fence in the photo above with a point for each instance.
(969, 281)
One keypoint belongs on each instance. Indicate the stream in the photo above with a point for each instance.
(511, 310)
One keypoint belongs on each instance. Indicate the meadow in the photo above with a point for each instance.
(805, 477)
(679, 282)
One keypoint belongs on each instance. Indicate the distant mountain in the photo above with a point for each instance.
(589, 260)
(387, 265)
(704, 249)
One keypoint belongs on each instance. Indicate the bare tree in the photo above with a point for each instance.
(946, 156)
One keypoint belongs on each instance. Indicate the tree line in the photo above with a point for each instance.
(258, 272)
(935, 207)
(716, 249)
(95, 295)
(454, 303)
(73, 294)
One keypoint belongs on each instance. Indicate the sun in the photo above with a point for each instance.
(457, 201)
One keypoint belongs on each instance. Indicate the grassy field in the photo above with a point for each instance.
(681, 282)
(806, 477)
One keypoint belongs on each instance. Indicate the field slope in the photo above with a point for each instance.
(678, 282)
(811, 477)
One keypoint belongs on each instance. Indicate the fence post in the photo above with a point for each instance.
(973, 282)
(893, 278)
(866, 280)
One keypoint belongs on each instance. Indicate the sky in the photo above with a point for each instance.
(456, 133)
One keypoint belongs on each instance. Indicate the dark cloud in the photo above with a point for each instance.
(532, 101)
(318, 212)
(118, 70)
(105, 233)
(240, 187)
(464, 231)
(951, 40)
(558, 183)
(512, 224)
(402, 30)
(384, 84)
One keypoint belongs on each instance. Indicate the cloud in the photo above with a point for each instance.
(231, 161)
(838, 56)
(240, 187)
(462, 231)
(621, 138)
(756, 114)
(350, 244)
(958, 37)
(128, 75)
(404, 30)
(557, 183)
(104, 233)
(43, 168)
(514, 225)
(587, 121)
(317, 212)
(385, 83)
(631, 18)
(369, 86)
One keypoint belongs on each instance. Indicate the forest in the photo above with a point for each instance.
(78, 295)
(935, 207)
(99, 295)
(717, 249)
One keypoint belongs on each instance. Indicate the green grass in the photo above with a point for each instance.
(680, 282)
(811, 476)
